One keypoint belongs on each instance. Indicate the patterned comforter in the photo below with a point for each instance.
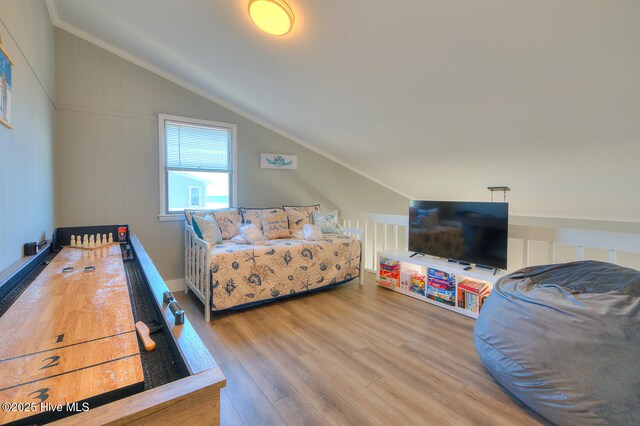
(248, 274)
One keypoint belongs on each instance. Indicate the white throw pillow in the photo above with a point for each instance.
(239, 239)
(251, 233)
(207, 228)
(312, 233)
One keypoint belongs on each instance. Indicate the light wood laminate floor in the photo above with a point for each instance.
(352, 355)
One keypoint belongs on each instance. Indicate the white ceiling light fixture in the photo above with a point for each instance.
(274, 17)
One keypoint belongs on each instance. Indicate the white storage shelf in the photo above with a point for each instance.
(423, 263)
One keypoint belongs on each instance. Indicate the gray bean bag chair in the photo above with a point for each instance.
(565, 340)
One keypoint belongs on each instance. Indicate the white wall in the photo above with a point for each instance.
(438, 99)
(26, 151)
(107, 153)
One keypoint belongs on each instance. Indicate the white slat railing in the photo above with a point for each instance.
(390, 232)
(381, 232)
(581, 239)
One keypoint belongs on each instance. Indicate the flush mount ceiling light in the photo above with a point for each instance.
(271, 16)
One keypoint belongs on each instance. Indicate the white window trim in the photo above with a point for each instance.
(199, 188)
(164, 215)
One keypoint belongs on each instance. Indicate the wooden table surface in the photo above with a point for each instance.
(70, 336)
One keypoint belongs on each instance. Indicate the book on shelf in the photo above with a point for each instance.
(476, 287)
(472, 294)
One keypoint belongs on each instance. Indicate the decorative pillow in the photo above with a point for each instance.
(195, 227)
(207, 229)
(253, 215)
(312, 233)
(239, 239)
(300, 215)
(189, 213)
(328, 223)
(298, 234)
(251, 233)
(229, 221)
(275, 225)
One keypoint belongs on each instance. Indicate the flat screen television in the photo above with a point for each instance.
(475, 232)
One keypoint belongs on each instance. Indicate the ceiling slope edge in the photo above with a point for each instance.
(58, 22)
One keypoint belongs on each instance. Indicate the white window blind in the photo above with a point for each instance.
(194, 147)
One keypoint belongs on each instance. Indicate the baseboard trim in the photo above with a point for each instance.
(175, 285)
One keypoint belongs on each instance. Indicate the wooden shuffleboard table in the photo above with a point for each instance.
(69, 348)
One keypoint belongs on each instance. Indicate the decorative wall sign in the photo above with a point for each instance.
(5, 87)
(278, 161)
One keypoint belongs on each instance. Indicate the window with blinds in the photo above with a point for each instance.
(201, 148)
(198, 163)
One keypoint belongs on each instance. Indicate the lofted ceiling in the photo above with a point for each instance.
(435, 99)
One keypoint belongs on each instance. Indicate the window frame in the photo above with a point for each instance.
(165, 215)
(191, 188)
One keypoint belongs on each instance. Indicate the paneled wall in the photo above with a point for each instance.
(26, 151)
(107, 153)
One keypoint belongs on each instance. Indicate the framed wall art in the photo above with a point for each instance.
(278, 161)
(5, 87)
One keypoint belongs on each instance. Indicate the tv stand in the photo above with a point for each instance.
(490, 268)
(416, 254)
(405, 261)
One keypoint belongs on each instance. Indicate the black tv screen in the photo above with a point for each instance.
(467, 231)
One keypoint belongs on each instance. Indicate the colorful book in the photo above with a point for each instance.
(472, 300)
(476, 287)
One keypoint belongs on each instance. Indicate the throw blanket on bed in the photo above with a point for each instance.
(243, 274)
